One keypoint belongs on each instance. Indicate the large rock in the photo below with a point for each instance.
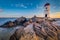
(44, 30)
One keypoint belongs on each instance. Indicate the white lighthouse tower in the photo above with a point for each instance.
(47, 10)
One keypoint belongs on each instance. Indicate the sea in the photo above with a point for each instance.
(4, 20)
(5, 33)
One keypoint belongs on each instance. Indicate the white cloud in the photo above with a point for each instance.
(19, 5)
(23, 6)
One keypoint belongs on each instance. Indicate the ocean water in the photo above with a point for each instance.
(57, 23)
(4, 20)
(5, 33)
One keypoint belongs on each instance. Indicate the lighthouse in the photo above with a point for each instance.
(47, 10)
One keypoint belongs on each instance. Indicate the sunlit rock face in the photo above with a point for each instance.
(26, 33)
(29, 33)
(41, 30)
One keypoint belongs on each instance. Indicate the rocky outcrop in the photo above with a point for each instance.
(8, 24)
(19, 21)
(40, 30)
(34, 29)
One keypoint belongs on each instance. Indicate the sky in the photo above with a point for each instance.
(28, 8)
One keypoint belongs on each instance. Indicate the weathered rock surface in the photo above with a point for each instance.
(43, 30)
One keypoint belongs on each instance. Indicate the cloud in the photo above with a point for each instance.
(23, 6)
(19, 5)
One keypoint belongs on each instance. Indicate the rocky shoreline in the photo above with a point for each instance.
(34, 28)
(20, 21)
(43, 30)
